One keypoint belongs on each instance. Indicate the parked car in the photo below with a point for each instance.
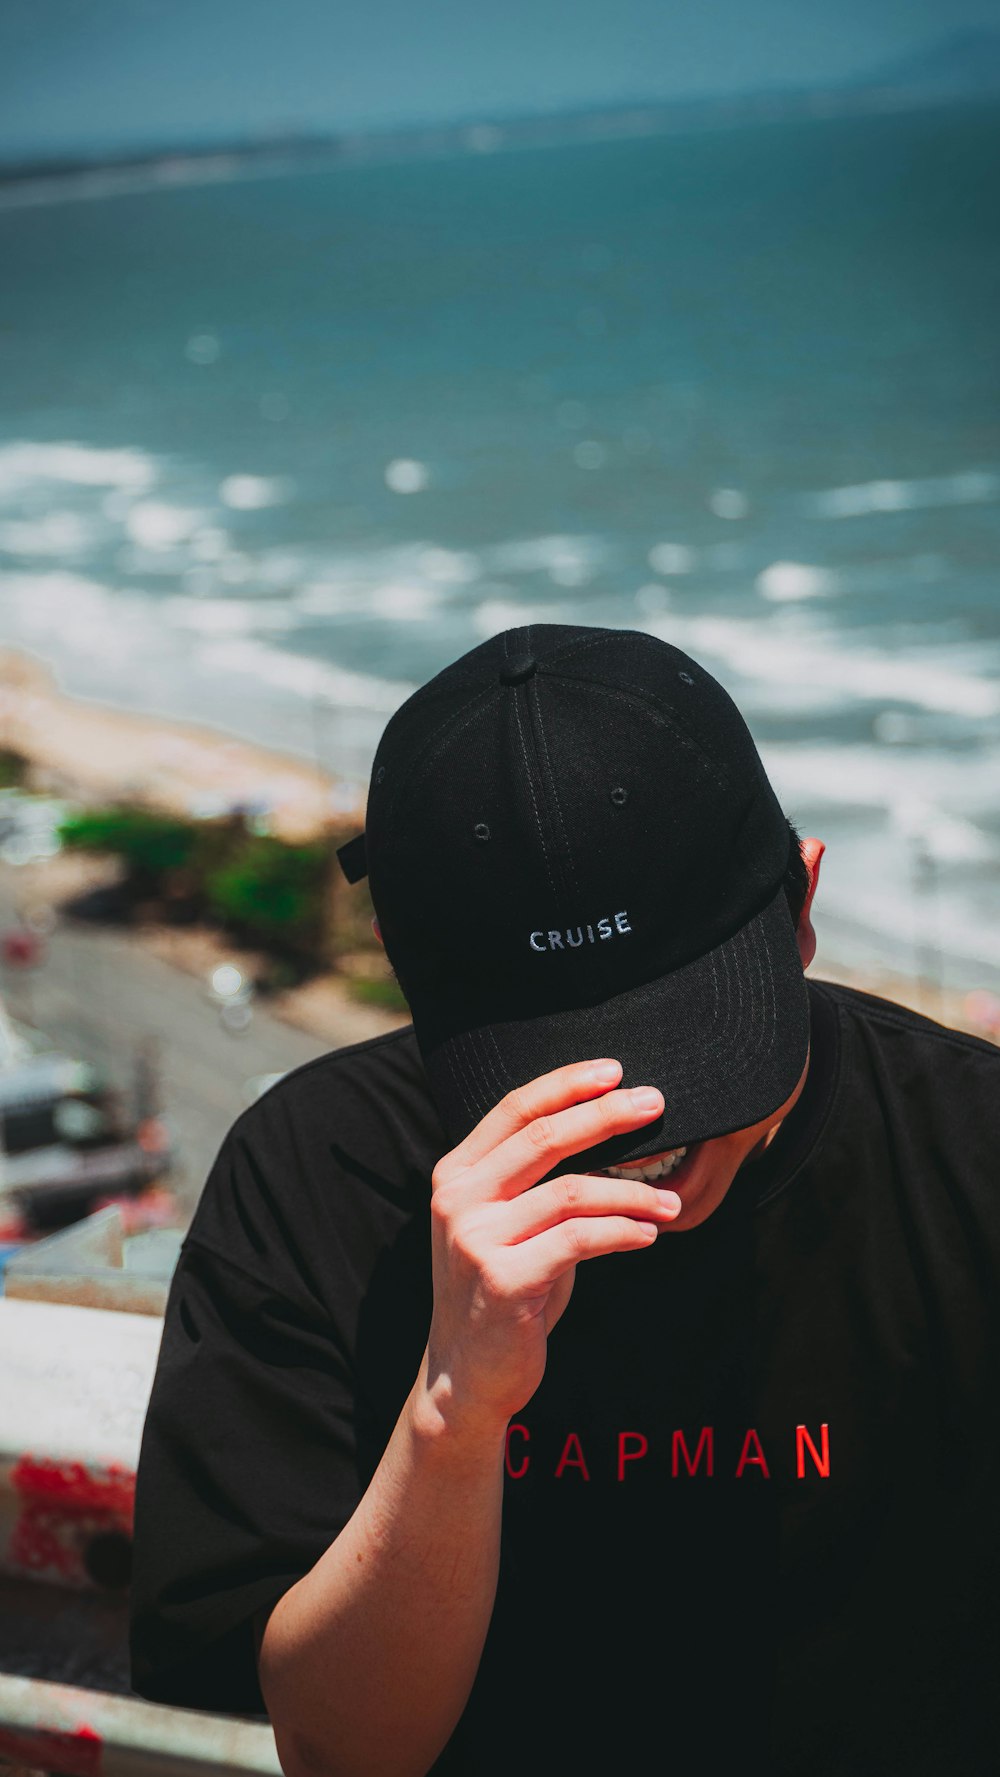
(67, 1140)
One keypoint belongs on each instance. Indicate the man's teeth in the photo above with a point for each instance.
(655, 1168)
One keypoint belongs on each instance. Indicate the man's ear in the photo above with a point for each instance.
(377, 929)
(812, 852)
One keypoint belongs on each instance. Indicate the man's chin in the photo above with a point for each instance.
(701, 1192)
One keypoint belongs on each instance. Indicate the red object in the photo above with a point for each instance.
(63, 1506)
(156, 1207)
(640, 1447)
(21, 948)
(76, 1753)
(152, 1137)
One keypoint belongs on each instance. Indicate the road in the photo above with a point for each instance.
(99, 994)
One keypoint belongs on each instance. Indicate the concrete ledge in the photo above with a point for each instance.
(78, 1733)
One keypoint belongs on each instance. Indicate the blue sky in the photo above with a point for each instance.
(106, 73)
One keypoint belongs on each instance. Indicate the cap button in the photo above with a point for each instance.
(518, 668)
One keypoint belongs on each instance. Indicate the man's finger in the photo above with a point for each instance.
(585, 1194)
(524, 1158)
(580, 1080)
(540, 1263)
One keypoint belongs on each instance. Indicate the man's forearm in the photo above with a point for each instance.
(368, 1660)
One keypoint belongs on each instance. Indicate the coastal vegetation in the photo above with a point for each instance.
(287, 899)
(13, 769)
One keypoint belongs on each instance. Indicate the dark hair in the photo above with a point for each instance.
(796, 878)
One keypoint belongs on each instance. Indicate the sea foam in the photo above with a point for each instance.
(964, 487)
(87, 465)
(252, 493)
(230, 616)
(303, 676)
(53, 534)
(938, 799)
(155, 524)
(795, 671)
(494, 615)
(554, 555)
(783, 581)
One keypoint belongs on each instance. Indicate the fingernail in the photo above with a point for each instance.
(670, 1201)
(646, 1098)
(605, 1073)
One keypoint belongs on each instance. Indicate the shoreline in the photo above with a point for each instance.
(90, 751)
(166, 163)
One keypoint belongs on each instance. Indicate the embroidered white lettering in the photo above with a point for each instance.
(572, 938)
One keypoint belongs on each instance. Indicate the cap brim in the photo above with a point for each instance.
(725, 1039)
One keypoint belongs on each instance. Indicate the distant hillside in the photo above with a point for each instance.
(962, 66)
(964, 62)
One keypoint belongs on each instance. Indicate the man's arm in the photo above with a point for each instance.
(366, 1663)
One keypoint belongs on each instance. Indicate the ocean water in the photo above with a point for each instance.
(273, 451)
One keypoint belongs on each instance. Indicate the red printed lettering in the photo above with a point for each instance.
(625, 1454)
(572, 1457)
(758, 1460)
(706, 1444)
(516, 1473)
(820, 1458)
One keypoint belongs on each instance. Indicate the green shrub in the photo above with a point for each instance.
(272, 890)
(151, 844)
(375, 992)
(274, 893)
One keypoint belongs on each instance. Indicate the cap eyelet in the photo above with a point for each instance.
(686, 677)
(619, 796)
(481, 831)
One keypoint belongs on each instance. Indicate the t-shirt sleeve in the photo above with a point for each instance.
(247, 1469)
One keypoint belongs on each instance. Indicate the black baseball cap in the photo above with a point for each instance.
(573, 851)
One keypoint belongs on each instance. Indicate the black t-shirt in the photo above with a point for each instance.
(752, 1508)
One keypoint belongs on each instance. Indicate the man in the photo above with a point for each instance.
(605, 1370)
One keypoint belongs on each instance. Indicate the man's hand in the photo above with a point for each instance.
(505, 1255)
(367, 1662)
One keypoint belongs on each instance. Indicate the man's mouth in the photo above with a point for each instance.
(657, 1167)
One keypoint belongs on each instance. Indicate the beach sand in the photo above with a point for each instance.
(88, 752)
